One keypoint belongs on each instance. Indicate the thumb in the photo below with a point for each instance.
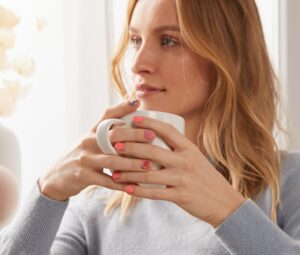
(119, 110)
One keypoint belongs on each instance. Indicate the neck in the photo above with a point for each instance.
(192, 125)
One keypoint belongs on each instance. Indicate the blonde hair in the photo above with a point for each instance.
(240, 114)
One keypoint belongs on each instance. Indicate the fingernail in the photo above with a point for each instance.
(116, 175)
(134, 102)
(138, 119)
(119, 146)
(148, 134)
(129, 189)
(145, 164)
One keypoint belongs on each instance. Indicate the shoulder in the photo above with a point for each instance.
(290, 168)
(290, 179)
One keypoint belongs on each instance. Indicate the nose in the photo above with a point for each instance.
(144, 60)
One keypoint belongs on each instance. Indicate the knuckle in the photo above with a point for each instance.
(109, 112)
(184, 198)
(107, 160)
(147, 177)
(79, 173)
(84, 144)
(184, 181)
(185, 162)
(151, 153)
(169, 126)
(82, 158)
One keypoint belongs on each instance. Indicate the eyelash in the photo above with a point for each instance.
(171, 39)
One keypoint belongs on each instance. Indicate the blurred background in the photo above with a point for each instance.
(70, 43)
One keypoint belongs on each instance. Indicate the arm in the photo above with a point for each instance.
(249, 230)
(41, 227)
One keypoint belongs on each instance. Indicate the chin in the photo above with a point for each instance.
(154, 107)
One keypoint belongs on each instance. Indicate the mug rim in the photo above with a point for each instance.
(160, 112)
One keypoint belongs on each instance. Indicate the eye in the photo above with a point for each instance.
(166, 42)
(169, 41)
(134, 41)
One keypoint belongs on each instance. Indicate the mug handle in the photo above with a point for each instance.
(103, 137)
(106, 147)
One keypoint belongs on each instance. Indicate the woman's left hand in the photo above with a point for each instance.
(192, 181)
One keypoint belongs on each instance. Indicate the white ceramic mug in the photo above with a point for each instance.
(104, 127)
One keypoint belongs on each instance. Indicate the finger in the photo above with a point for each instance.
(98, 161)
(131, 134)
(104, 180)
(163, 177)
(149, 151)
(118, 111)
(166, 131)
(168, 194)
(90, 143)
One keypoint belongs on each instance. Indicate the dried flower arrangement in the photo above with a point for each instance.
(14, 73)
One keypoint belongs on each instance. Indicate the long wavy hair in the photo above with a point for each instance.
(241, 113)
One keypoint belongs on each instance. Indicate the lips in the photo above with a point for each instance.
(143, 87)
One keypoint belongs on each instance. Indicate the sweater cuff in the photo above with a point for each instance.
(36, 225)
(248, 230)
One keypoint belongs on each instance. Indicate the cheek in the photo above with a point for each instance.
(189, 77)
(191, 84)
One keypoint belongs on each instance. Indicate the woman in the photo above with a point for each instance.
(229, 189)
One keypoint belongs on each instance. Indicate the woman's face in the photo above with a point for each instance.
(161, 60)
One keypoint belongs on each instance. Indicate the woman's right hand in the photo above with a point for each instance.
(83, 165)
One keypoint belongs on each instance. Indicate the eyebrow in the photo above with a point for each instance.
(159, 29)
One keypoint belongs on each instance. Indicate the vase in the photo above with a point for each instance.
(10, 174)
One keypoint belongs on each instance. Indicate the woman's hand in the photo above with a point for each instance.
(192, 181)
(83, 165)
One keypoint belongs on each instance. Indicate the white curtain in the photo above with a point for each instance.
(71, 88)
(39, 121)
(86, 43)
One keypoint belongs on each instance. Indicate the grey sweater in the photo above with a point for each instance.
(78, 227)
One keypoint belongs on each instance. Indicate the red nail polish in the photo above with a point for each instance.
(138, 119)
(116, 175)
(149, 134)
(129, 189)
(145, 164)
(119, 146)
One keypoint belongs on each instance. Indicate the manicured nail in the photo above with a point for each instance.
(146, 164)
(119, 146)
(138, 119)
(116, 175)
(134, 102)
(148, 134)
(129, 189)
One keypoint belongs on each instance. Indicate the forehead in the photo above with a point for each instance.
(151, 13)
